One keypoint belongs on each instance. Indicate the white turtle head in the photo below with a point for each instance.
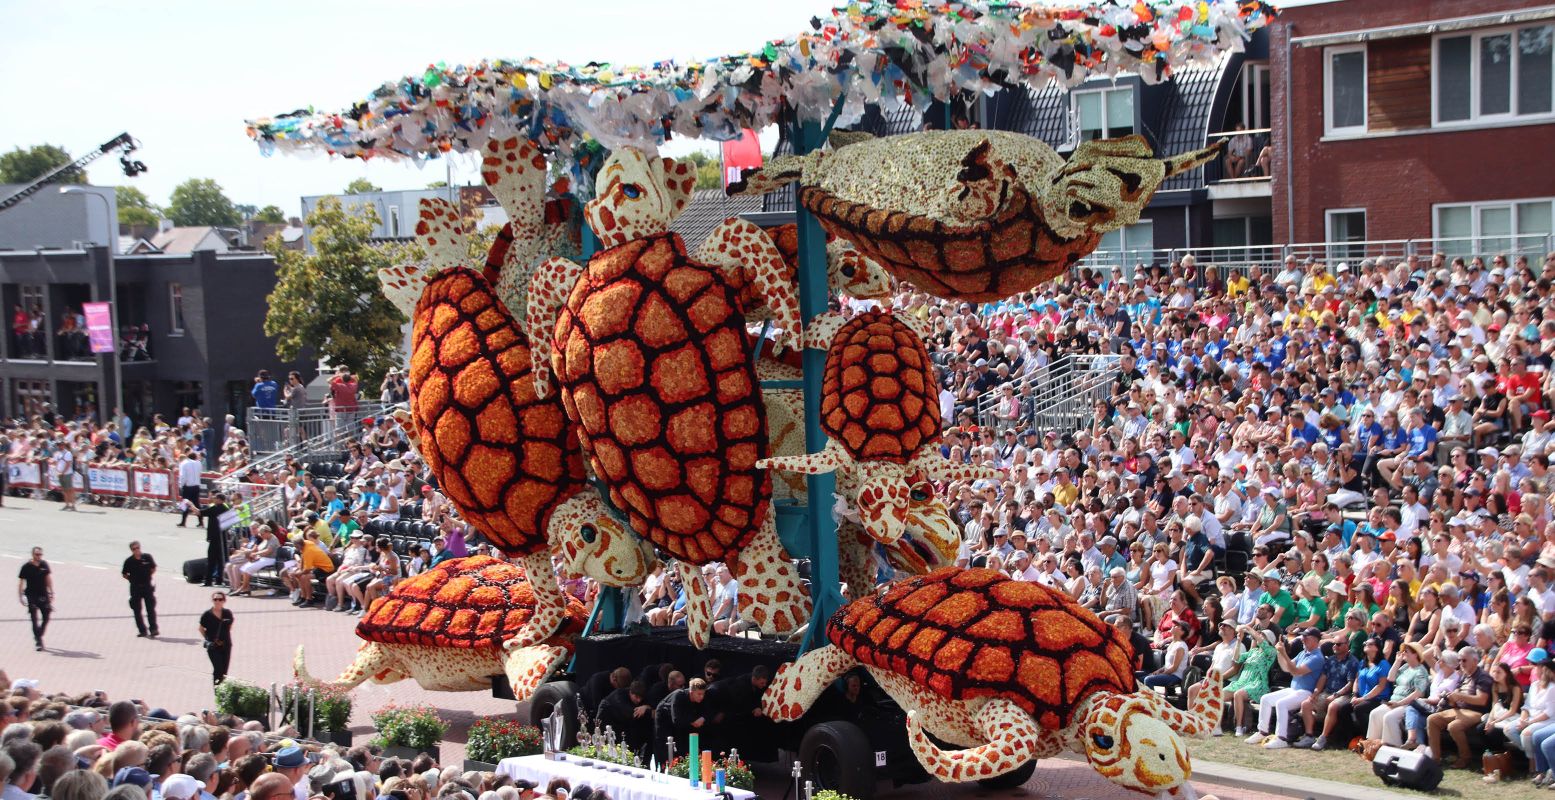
(592, 543)
(638, 196)
(1108, 182)
(1127, 743)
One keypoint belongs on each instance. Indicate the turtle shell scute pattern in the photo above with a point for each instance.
(471, 602)
(654, 363)
(501, 454)
(878, 397)
(968, 633)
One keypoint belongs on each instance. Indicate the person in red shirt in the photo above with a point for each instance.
(1521, 388)
(342, 392)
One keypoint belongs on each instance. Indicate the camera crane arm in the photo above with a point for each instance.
(123, 142)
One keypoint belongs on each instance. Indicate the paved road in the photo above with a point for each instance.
(92, 642)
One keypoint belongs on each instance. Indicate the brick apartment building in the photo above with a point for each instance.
(1415, 119)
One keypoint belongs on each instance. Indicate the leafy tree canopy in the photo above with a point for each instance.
(270, 214)
(201, 201)
(25, 166)
(362, 186)
(330, 300)
(134, 207)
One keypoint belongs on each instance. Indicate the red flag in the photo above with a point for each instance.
(741, 154)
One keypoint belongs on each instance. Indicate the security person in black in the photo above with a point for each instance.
(139, 569)
(741, 716)
(35, 590)
(682, 713)
(215, 538)
(626, 710)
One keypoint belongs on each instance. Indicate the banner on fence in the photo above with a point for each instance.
(24, 474)
(153, 485)
(104, 480)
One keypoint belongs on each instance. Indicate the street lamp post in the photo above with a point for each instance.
(113, 300)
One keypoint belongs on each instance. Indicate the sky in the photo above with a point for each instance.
(183, 76)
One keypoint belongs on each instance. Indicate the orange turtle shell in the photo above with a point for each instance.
(878, 398)
(967, 633)
(502, 455)
(463, 602)
(655, 367)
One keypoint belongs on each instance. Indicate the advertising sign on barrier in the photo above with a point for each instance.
(153, 485)
(102, 480)
(99, 326)
(24, 474)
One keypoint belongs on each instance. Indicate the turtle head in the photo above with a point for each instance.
(852, 273)
(594, 544)
(638, 195)
(930, 538)
(1108, 182)
(773, 175)
(1128, 744)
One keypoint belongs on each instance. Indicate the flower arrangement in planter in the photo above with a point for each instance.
(831, 794)
(331, 711)
(408, 731)
(736, 773)
(598, 753)
(492, 740)
(242, 700)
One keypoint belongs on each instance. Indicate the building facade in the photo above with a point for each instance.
(1415, 120)
(189, 332)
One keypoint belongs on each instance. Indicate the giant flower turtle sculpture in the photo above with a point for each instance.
(969, 214)
(654, 361)
(454, 626)
(504, 456)
(1012, 671)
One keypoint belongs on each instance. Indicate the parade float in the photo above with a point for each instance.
(582, 404)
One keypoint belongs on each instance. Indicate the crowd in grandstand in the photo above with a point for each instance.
(84, 747)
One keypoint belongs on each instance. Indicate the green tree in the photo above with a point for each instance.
(135, 208)
(270, 214)
(246, 210)
(438, 185)
(330, 300)
(709, 170)
(200, 201)
(362, 186)
(25, 166)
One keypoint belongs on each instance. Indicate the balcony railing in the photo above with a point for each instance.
(1240, 163)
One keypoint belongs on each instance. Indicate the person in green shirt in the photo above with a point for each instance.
(1311, 610)
(1275, 594)
(1362, 597)
(352, 525)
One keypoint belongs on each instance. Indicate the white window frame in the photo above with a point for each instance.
(1475, 118)
(175, 304)
(394, 222)
(1328, 226)
(1074, 108)
(1476, 236)
(1251, 91)
(1328, 90)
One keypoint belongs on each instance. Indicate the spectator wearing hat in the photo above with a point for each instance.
(1251, 682)
(137, 777)
(1459, 710)
(292, 762)
(1274, 711)
(1410, 681)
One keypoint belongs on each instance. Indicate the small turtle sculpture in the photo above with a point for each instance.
(970, 214)
(880, 408)
(452, 627)
(505, 457)
(1012, 671)
(654, 362)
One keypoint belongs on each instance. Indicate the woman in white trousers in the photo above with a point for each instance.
(1411, 680)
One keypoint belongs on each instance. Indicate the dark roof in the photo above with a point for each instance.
(707, 210)
(1187, 99)
(1044, 114)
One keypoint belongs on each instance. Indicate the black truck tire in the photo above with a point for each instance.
(1014, 779)
(554, 695)
(837, 756)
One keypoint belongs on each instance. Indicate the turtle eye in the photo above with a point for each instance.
(919, 493)
(631, 190)
(848, 270)
(1102, 741)
(589, 533)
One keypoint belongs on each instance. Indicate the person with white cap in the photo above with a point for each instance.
(180, 786)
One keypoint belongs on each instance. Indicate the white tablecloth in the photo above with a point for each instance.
(621, 785)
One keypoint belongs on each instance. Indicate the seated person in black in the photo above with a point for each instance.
(626, 710)
(740, 714)
(683, 712)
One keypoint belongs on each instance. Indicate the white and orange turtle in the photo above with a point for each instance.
(1011, 671)
(653, 358)
(505, 457)
(880, 410)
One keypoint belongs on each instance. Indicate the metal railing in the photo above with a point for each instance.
(1062, 393)
(272, 430)
(1219, 170)
(1258, 258)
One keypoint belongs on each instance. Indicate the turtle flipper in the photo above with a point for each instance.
(407, 423)
(823, 328)
(798, 684)
(699, 611)
(441, 234)
(550, 603)
(528, 667)
(514, 170)
(771, 593)
(1203, 716)
(830, 459)
(939, 468)
(548, 289)
(739, 246)
(1012, 740)
(403, 284)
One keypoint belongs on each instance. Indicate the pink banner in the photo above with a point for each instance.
(99, 326)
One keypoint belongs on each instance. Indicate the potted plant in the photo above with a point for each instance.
(331, 711)
(243, 700)
(409, 731)
(492, 740)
